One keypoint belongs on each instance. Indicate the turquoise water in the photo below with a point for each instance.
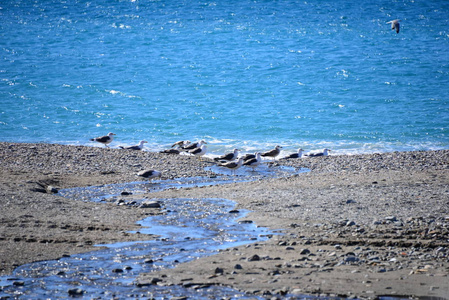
(247, 74)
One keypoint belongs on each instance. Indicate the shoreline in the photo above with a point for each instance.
(345, 224)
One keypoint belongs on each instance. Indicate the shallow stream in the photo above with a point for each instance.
(189, 229)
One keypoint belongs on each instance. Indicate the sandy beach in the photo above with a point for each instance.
(354, 226)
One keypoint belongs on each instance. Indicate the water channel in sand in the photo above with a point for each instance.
(189, 229)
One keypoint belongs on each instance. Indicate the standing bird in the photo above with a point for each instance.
(105, 139)
(192, 146)
(233, 165)
(323, 153)
(295, 155)
(135, 147)
(253, 162)
(273, 153)
(249, 156)
(228, 156)
(200, 151)
(395, 25)
(149, 174)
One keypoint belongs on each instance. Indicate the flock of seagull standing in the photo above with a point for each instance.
(231, 160)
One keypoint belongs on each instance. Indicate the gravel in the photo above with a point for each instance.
(353, 226)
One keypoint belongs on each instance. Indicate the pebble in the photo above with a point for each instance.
(304, 251)
(245, 222)
(75, 292)
(147, 282)
(118, 270)
(255, 257)
(18, 283)
(350, 223)
(150, 204)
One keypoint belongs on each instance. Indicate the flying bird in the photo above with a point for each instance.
(395, 25)
(105, 139)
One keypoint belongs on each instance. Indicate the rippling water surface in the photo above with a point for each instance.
(247, 74)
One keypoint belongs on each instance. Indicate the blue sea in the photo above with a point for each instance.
(236, 73)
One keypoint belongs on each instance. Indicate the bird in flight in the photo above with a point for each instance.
(395, 25)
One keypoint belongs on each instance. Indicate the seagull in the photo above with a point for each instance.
(249, 156)
(233, 165)
(395, 25)
(324, 153)
(253, 162)
(273, 153)
(105, 139)
(192, 146)
(228, 156)
(170, 151)
(295, 155)
(200, 151)
(180, 144)
(135, 147)
(150, 174)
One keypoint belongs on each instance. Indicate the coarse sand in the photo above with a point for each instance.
(354, 226)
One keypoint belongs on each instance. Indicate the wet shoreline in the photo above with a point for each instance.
(376, 206)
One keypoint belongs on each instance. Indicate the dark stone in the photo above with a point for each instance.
(75, 292)
(255, 257)
(118, 270)
(304, 251)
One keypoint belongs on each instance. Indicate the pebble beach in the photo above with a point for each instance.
(360, 226)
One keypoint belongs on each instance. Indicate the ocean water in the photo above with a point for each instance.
(236, 73)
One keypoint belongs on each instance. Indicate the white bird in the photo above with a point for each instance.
(395, 25)
(295, 155)
(273, 153)
(233, 165)
(192, 146)
(228, 156)
(135, 147)
(149, 174)
(253, 163)
(323, 153)
(105, 139)
(200, 151)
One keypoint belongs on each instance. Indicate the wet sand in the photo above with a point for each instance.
(359, 225)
